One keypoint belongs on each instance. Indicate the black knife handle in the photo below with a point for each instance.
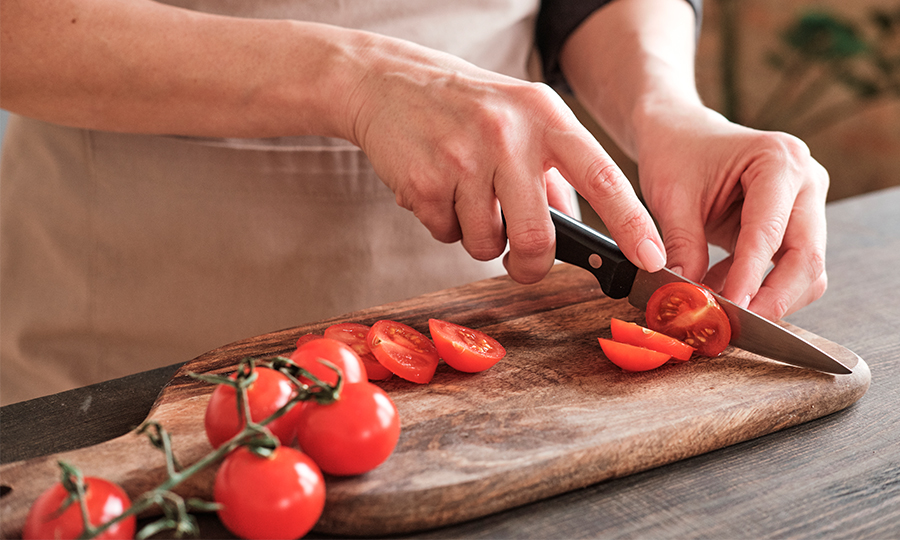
(576, 243)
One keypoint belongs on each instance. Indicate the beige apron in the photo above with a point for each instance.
(121, 253)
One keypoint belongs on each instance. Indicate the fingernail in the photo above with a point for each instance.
(745, 302)
(650, 255)
(678, 270)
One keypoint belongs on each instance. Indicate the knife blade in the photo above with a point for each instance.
(579, 244)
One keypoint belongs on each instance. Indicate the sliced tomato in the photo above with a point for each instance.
(637, 335)
(354, 335)
(305, 338)
(690, 314)
(403, 350)
(465, 349)
(631, 358)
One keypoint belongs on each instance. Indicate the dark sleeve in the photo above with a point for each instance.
(556, 21)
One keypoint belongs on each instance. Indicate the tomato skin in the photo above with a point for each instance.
(353, 435)
(632, 358)
(280, 496)
(465, 349)
(690, 314)
(306, 338)
(354, 335)
(104, 499)
(268, 393)
(403, 350)
(330, 350)
(634, 334)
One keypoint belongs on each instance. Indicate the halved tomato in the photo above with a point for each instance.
(631, 358)
(354, 335)
(403, 350)
(691, 314)
(465, 349)
(637, 335)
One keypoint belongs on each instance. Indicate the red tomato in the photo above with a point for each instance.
(354, 335)
(104, 499)
(463, 348)
(279, 496)
(330, 350)
(691, 314)
(403, 350)
(307, 338)
(631, 358)
(633, 334)
(268, 393)
(352, 435)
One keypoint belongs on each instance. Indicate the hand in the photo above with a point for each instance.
(759, 195)
(456, 144)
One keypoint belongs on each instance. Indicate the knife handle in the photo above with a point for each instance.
(578, 244)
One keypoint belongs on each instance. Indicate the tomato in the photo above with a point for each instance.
(403, 350)
(633, 334)
(691, 314)
(279, 496)
(463, 348)
(307, 338)
(631, 358)
(354, 335)
(352, 435)
(104, 499)
(268, 393)
(330, 350)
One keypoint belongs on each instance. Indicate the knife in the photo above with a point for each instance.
(578, 244)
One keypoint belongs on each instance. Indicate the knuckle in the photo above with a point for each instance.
(531, 239)
(603, 179)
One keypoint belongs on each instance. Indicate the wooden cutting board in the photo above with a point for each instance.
(553, 416)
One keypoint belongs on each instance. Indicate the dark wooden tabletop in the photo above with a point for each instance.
(835, 477)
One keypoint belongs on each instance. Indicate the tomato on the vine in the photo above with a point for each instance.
(105, 501)
(634, 334)
(632, 358)
(309, 354)
(691, 314)
(404, 350)
(269, 392)
(354, 335)
(465, 349)
(278, 496)
(352, 435)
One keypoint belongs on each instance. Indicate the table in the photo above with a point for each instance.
(835, 477)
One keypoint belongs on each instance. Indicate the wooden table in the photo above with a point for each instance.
(836, 477)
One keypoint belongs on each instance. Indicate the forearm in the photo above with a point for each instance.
(631, 61)
(143, 67)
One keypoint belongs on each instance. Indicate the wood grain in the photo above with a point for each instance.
(553, 416)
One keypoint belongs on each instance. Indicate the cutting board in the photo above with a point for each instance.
(553, 416)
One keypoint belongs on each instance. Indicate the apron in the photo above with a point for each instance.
(123, 253)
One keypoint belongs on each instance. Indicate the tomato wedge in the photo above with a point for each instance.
(403, 350)
(354, 335)
(465, 349)
(637, 335)
(691, 314)
(631, 358)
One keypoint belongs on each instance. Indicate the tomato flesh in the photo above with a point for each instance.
(632, 358)
(465, 349)
(403, 350)
(105, 501)
(634, 334)
(354, 335)
(690, 314)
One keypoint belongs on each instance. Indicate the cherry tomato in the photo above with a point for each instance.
(104, 499)
(354, 335)
(306, 338)
(634, 334)
(279, 496)
(691, 314)
(268, 393)
(354, 434)
(403, 350)
(463, 348)
(309, 354)
(631, 358)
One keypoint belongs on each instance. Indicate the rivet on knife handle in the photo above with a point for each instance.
(584, 247)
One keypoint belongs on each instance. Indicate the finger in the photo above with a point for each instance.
(687, 249)
(483, 234)
(438, 216)
(560, 194)
(715, 277)
(584, 163)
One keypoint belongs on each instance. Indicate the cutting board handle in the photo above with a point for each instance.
(578, 244)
